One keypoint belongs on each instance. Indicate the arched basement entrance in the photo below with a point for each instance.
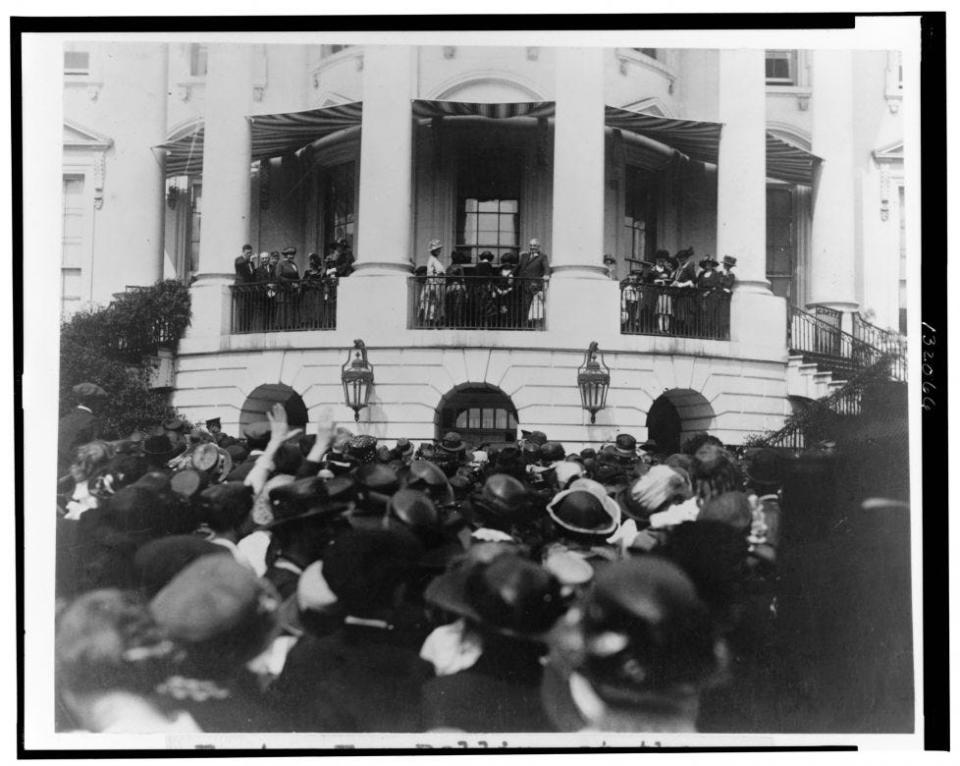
(262, 398)
(480, 413)
(676, 415)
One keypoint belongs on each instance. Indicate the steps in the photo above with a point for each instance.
(806, 379)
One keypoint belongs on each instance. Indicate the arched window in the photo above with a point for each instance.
(480, 413)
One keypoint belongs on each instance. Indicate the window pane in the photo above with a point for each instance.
(474, 418)
(462, 419)
(487, 221)
(487, 417)
(489, 206)
(471, 206)
(500, 419)
(513, 422)
(509, 206)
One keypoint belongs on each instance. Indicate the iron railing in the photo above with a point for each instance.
(447, 302)
(889, 342)
(819, 420)
(680, 312)
(283, 306)
(827, 345)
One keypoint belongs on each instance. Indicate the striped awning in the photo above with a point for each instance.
(698, 140)
(271, 135)
(424, 109)
(786, 162)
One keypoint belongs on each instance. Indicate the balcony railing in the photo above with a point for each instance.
(830, 347)
(679, 312)
(284, 307)
(450, 302)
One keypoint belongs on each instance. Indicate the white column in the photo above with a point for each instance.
(742, 166)
(578, 164)
(832, 254)
(757, 317)
(226, 185)
(374, 298)
(582, 303)
(386, 161)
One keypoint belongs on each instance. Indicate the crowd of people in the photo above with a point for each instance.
(329, 582)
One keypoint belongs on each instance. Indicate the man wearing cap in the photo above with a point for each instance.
(288, 283)
(81, 425)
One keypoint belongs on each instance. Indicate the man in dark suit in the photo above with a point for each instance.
(532, 268)
(243, 267)
(81, 425)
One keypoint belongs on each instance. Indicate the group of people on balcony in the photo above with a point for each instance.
(288, 582)
(271, 294)
(678, 296)
(508, 295)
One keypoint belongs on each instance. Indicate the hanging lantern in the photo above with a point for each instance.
(593, 379)
(357, 377)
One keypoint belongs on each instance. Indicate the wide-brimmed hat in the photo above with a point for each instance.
(375, 482)
(160, 448)
(536, 437)
(729, 260)
(452, 442)
(708, 261)
(502, 496)
(585, 508)
(87, 390)
(414, 509)
(429, 477)
(435, 244)
(302, 499)
(625, 446)
(649, 446)
(233, 496)
(509, 595)
(552, 452)
(289, 251)
(157, 562)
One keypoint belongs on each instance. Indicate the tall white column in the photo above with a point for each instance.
(578, 278)
(832, 257)
(757, 317)
(386, 161)
(742, 166)
(375, 296)
(226, 185)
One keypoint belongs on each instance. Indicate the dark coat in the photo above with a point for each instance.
(244, 270)
(533, 265)
(686, 273)
(287, 271)
(76, 428)
(708, 280)
(500, 693)
(371, 676)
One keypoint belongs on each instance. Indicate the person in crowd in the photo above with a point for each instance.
(430, 304)
(709, 285)
(81, 425)
(533, 270)
(635, 655)
(344, 258)
(727, 281)
(686, 308)
(312, 305)
(662, 272)
(458, 300)
(610, 266)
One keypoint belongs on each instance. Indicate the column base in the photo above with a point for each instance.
(583, 310)
(758, 324)
(369, 302)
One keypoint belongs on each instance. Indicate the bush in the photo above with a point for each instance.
(115, 348)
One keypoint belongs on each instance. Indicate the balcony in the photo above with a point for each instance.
(283, 307)
(678, 312)
(449, 302)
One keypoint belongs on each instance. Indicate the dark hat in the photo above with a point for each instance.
(502, 495)
(552, 452)
(233, 495)
(176, 424)
(585, 509)
(363, 567)
(238, 453)
(404, 447)
(765, 467)
(587, 453)
(289, 251)
(649, 446)
(729, 260)
(363, 449)
(731, 508)
(536, 437)
(452, 442)
(510, 595)
(460, 256)
(88, 390)
(258, 430)
(189, 482)
(423, 474)
(213, 422)
(159, 561)
(625, 446)
(302, 499)
(486, 255)
(708, 261)
(509, 258)
(377, 477)
(159, 447)
(414, 509)
(645, 629)
(210, 597)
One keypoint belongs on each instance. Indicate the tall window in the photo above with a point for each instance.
(198, 60)
(488, 206)
(781, 248)
(903, 266)
(73, 243)
(196, 200)
(781, 67)
(76, 63)
(339, 216)
(640, 214)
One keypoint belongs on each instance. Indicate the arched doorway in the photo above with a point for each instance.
(480, 413)
(676, 415)
(262, 398)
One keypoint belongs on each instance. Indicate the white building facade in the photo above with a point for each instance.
(175, 155)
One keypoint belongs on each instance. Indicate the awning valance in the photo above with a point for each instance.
(698, 140)
(497, 111)
(786, 162)
(271, 135)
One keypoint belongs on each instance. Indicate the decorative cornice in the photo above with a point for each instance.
(628, 56)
